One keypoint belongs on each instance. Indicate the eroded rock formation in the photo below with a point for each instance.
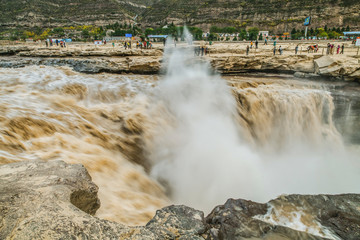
(230, 60)
(55, 200)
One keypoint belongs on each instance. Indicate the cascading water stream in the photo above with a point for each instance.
(205, 138)
(284, 141)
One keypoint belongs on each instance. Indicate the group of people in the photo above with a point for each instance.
(313, 48)
(51, 42)
(139, 44)
(330, 49)
(256, 44)
(201, 50)
(144, 44)
(127, 44)
(280, 50)
(310, 49)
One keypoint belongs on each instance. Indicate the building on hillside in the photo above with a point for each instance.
(352, 35)
(205, 34)
(264, 33)
(157, 38)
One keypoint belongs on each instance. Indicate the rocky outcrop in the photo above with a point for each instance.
(347, 68)
(86, 51)
(144, 65)
(231, 60)
(266, 63)
(55, 200)
(236, 219)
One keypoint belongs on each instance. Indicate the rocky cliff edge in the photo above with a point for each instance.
(56, 200)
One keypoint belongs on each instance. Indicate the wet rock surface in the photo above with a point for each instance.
(235, 220)
(55, 200)
(340, 213)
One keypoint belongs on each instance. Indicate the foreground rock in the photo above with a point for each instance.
(55, 200)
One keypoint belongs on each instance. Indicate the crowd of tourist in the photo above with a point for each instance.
(203, 48)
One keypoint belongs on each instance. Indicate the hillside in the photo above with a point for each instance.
(51, 13)
(276, 15)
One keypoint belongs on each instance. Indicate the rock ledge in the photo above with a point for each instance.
(55, 200)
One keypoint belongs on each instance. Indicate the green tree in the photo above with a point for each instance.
(334, 35)
(253, 33)
(229, 30)
(294, 34)
(149, 31)
(85, 34)
(196, 32)
(212, 37)
(59, 31)
(215, 29)
(311, 32)
(243, 34)
(321, 33)
(347, 28)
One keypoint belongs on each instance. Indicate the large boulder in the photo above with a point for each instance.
(50, 200)
(324, 62)
(55, 200)
(342, 68)
(240, 219)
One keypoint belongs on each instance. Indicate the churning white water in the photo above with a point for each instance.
(205, 138)
(284, 142)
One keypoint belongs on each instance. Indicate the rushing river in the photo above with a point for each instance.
(187, 137)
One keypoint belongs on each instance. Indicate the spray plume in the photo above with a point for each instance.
(204, 158)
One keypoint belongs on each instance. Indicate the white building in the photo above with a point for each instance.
(264, 33)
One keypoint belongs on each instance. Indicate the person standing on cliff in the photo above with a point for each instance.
(275, 43)
(251, 44)
(342, 49)
(256, 43)
(296, 49)
(265, 41)
(247, 50)
(328, 49)
(338, 49)
(280, 50)
(274, 50)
